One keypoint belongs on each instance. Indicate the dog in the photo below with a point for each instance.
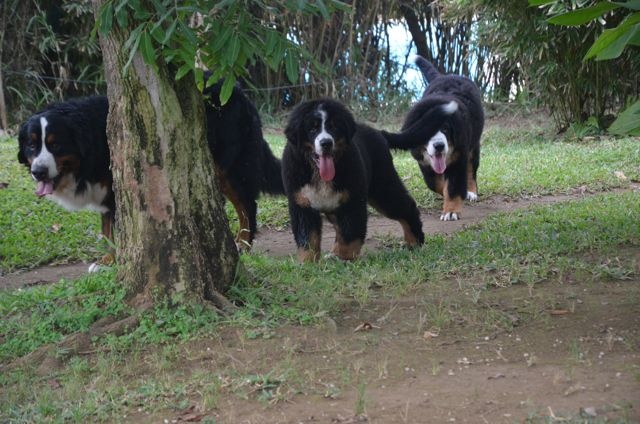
(245, 164)
(449, 160)
(334, 166)
(65, 147)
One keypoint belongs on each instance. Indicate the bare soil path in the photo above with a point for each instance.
(280, 243)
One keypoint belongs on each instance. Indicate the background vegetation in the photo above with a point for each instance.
(508, 48)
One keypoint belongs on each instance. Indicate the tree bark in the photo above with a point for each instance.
(172, 231)
(413, 24)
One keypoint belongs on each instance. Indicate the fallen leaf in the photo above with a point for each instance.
(559, 312)
(620, 175)
(428, 335)
(574, 389)
(495, 377)
(56, 227)
(365, 326)
(190, 418)
(588, 412)
(4, 185)
(54, 384)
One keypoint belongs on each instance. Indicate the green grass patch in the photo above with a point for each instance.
(45, 314)
(517, 248)
(524, 247)
(514, 163)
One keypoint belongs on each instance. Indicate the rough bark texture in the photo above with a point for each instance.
(172, 232)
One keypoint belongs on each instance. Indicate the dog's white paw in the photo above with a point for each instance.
(449, 216)
(94, 267)
(471, 196)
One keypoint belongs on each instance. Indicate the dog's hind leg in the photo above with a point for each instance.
(246, 211)
(107, 219)
(398, 205)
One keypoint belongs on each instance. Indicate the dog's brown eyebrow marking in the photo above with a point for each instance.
(34, 136)
(51, 138)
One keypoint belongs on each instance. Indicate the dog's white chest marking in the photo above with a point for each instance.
(322, 196)
(91, 198)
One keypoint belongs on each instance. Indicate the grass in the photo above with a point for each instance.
(160, 366)
(523, 248)
(514, 163)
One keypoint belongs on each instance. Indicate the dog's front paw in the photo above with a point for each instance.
(449, 216)
(471, 196)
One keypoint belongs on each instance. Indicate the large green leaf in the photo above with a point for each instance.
(582, 16)
(607, 44)
(227, 88)
(146, 49)
(631, 4)
(628, 122)
(291, 66)
(615, 49)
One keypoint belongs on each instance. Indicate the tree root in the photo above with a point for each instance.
(50, 358)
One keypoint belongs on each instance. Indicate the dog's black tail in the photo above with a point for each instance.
(428, 70)
(272, 172)
(429, 116)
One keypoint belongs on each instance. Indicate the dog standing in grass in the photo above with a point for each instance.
(449, 160)
(334, 166)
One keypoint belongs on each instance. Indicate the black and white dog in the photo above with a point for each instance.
(334, 166)
(449, 160)
(65, 148)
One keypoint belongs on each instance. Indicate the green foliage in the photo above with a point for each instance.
(224, 36)
(627, 121)
(609, 45)
(46, 54)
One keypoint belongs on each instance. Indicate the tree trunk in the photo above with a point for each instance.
(172, 231)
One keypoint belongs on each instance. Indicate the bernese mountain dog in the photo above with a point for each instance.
(334, 166)
(65, 147)
(245, 164)
(449, 160)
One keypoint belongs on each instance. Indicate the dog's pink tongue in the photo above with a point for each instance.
(326, 167)
(44, 188)
(438, 163)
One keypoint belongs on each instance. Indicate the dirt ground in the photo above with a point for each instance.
(574, 364)
(281, 243)
(575, 354)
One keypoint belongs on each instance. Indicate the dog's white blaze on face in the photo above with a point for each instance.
(439, 138)
(91, 198)
(45, 158)
(323, 134)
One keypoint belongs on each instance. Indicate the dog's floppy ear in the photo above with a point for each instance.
(294, 131)
(22, 142)
(347, 122)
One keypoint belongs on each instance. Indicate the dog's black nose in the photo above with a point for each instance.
(439, 147)
(40, 173)
(326, 144)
